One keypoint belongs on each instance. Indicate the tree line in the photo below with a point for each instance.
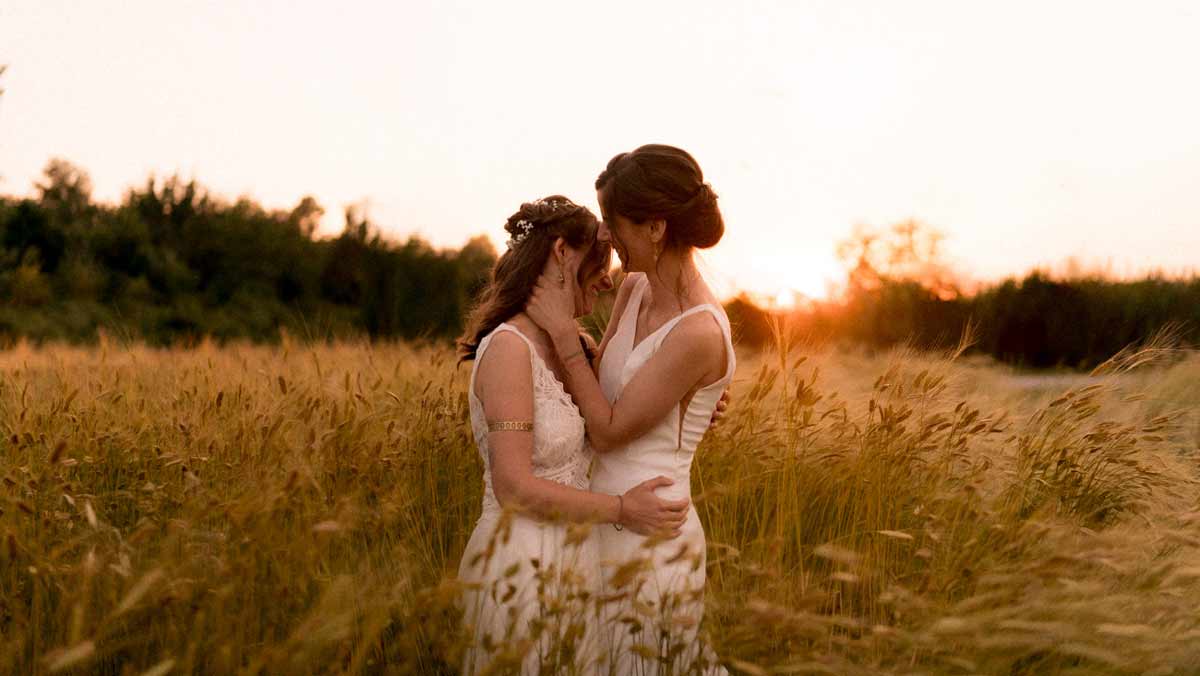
(899, 291)
(173, 263)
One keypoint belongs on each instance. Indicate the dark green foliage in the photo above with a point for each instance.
(171, 262)
(1041, 322)
(899, 292)
(1035, 322)
(29, 233)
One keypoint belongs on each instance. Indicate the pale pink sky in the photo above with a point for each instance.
(1028, 132)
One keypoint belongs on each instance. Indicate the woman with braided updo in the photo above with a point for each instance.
(530, 569)
(665, 360)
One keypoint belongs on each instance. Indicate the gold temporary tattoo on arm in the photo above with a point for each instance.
(511, 426)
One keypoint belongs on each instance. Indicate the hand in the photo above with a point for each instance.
(719, 412)
(645, 513)
(551, 305)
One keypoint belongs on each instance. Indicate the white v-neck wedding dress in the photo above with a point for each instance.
(668, 593)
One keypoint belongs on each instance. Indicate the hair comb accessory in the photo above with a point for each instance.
(525, 227)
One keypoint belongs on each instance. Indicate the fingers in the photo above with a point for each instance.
(678, 505)
(573, 264)
(657, 482)
(672, 527)
(663, 526)
(549, 284)
(672, 530)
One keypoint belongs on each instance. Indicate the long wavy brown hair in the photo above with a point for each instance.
(539, 224)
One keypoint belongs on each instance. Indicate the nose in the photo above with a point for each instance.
(606, 282)
(603, 233)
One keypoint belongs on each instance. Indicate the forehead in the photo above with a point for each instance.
(598, 257)
(602, 198)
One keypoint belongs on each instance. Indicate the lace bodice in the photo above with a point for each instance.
(559, 452)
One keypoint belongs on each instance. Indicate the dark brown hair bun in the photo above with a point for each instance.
(659, 181)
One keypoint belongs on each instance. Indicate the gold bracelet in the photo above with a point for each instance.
(576, 353)
(511, 426)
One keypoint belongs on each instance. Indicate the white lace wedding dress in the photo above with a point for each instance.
(661, 600)
(529, 603)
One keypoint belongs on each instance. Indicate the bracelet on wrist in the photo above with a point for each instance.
(577, 353)
(620, 511)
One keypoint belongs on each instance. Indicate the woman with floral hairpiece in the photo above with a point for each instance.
(529, 567)
(665, 360)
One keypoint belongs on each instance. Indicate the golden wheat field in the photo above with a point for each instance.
(301, 509)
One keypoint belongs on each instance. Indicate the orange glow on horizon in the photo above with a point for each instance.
(807, 117)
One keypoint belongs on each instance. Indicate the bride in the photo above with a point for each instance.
(666, 358)
(530, 568)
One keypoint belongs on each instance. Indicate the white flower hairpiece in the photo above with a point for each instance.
(525, 226)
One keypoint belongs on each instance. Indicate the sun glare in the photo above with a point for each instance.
(786, 299)
(787, 280)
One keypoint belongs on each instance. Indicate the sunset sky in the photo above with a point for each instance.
(1026, 132)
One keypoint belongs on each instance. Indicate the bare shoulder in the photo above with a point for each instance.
(506, 359)
(697, 336)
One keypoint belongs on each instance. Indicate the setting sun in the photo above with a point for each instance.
(782, 279)
(807, 118)
(318, 354)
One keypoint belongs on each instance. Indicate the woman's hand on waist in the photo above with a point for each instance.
(645, 513)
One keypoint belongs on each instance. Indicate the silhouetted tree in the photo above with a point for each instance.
(171, 262)
(65, 192)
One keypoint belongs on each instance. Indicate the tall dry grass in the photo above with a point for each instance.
(302, 509)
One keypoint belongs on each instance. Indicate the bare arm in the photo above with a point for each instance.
(618, 311)
(504, 384)
(691, 351)
(687, 356)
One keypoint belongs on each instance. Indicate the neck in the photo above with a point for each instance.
(530, 327)
(671, 277)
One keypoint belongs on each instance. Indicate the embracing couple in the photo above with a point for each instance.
(545, 591)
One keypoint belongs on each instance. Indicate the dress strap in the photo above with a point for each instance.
(665, 330)
(633, 307)
(487, 340)
(509, 328)
(722, 321)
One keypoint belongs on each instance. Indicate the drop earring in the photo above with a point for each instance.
(562, 281)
